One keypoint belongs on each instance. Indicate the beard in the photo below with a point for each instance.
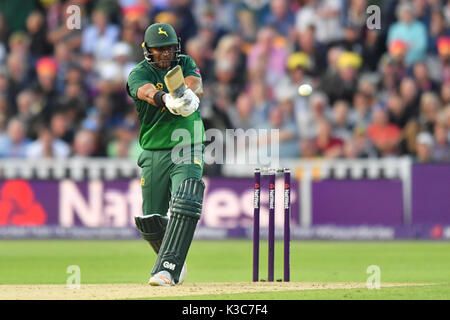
(163, 64)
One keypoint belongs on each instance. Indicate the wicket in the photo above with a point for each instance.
(256, 225)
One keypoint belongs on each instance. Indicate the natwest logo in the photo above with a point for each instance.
(18, 205)
(98, 204)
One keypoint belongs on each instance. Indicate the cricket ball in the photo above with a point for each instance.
(305, 90)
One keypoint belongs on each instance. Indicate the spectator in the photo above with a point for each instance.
(441, 149)
(288, 143)
(396, 111)
(111, 8)
(385, 136)
(307, 148)
(445, 119)
(341, 126)
(119, 66)
(327, 145)
(438, 28)
(399, 117)
(332, 67)
(316, 52)
(100, 36)
(19, 42)
(125, 144)
(247, 25)
(342, 86)
(352, 40)
(367, 86)
(85, 144)
(4, 33)
(4, 114)
(422, 78)
(4, 82)
(218, 13)
(389, 80)
(445, 93)
(372, 50)
(15, 143)
(229, 68)
(28, 110)
(363, 145)
(229, 48)
(421, 11)
(37, 30)
(424, 147)
(446, 10)
(73, 101)
(325, 16)
(297, 65)
(132, 35)
(307, 121)
(267, 57)
(281, 18)
(57, 16)
(45, 87)
(47, 146)
(198, 50)
(17, 79)
(398, 50)
(444, 55)
(186, 25)
(356, 14)
(429, 110)
(411, 98)
(61, 128)
(360, 115)
(225, 76)
(411, 31)
(258, 8)
(63, 59)
(91, 77)
(74, 74)
(121, 56)
(350, 151)
(262, 101)
(241, 115)
(216, 110)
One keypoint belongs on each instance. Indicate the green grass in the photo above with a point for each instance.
(46, 262)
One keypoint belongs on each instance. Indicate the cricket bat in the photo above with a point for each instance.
(175, 82)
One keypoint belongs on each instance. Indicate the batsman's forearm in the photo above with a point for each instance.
(195, 84)
(199, 92)
(148, 92)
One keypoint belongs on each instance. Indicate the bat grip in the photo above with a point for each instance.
(179, 92)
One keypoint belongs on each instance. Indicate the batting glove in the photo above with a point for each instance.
(189, 95)
(193, 104)
(174, 104)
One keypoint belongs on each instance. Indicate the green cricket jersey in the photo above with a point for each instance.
(158, 124)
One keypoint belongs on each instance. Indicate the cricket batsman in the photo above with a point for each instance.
(164, 106)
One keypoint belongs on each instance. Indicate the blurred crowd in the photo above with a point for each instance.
(379, 90)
